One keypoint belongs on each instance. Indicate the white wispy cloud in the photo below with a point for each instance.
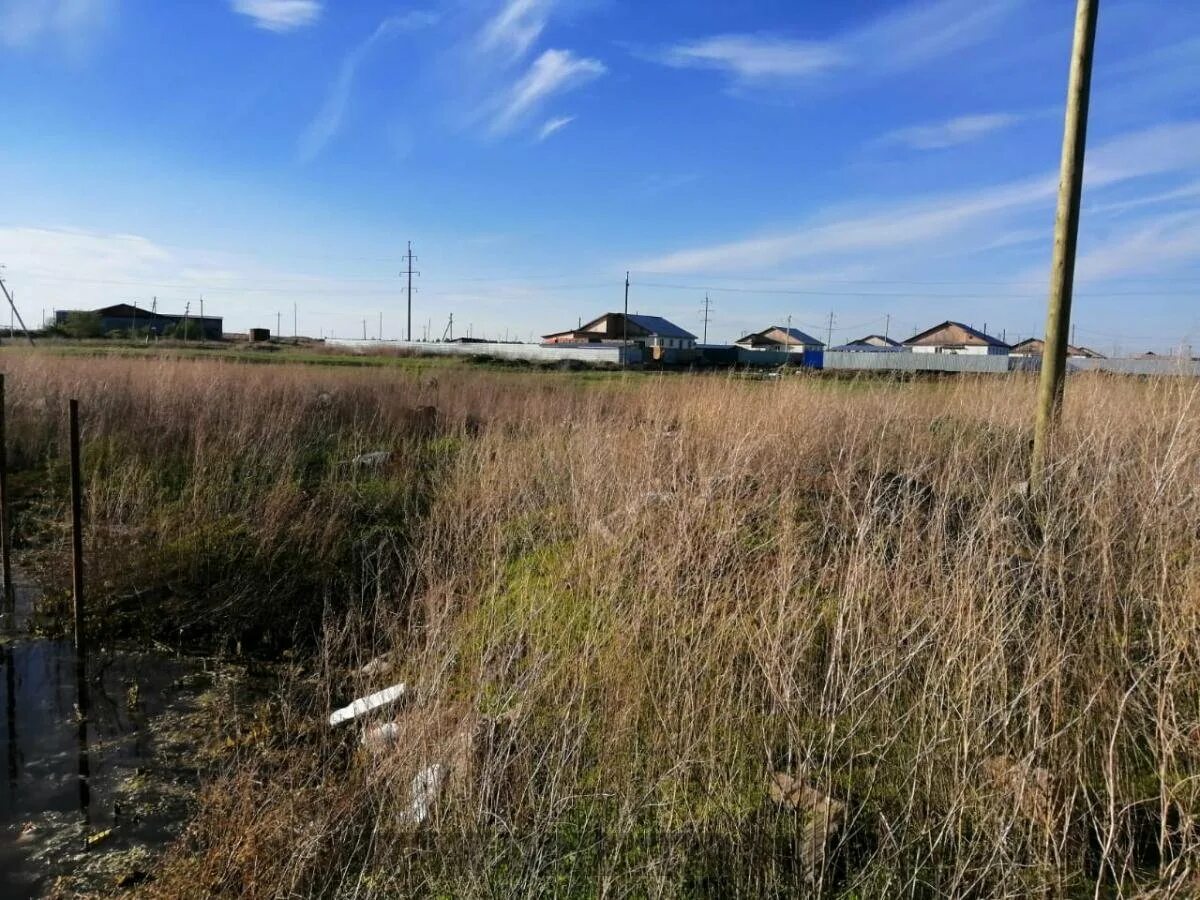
(553, 72)
(516, 27)
(75, 23)
(1146, 248)
(1186, 192)
(900, 40)
(328, 120)
(553, 125)
(279, 15)
(751, 58)
(951, 133)
(924, 220)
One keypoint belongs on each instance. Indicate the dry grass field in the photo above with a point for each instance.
(664, 636)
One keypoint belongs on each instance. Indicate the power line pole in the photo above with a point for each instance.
(625, 325)
(364, 329)
(829, 334)
(409, 258)
(13, 306)
(707, 308)
(1066, 234)
(381, 325)
(295, 326)
(277, 318)
(887, 324)
(202, 335)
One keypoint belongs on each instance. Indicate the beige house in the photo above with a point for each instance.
(791, 340)
(1035, 346)
(956, 338)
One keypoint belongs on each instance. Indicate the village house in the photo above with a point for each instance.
(791, 340)
(870, 343)
(1035, 346)
(956, 338)
(646, 332)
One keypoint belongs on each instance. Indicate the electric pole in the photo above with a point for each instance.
(277, 334)
(364, 329)
(202, 319)
(381, 325)
(187, 308)
(887, 324)
(13, 306)
(625, 324)
(829, 333)
(707, 308)
(295, 328)
(1066, 235)
(409, 258)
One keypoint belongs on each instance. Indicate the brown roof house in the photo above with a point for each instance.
(955, 337)
(1034, 347)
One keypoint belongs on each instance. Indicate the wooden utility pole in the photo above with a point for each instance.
(829, 333)
(77, 530)
(13, 306)
(5, 534)
(1066, 235)
(707, 309)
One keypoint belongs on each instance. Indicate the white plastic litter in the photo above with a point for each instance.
(426, 785)
(364, 705)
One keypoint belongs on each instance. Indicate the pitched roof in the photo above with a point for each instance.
(954, 333)
(1035, 346)
(797, 336)
(794, 336)
(874, 340)
(660, 326)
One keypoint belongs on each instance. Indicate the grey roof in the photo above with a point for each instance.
(661, 327)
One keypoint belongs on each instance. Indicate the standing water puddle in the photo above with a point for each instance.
(89, 802)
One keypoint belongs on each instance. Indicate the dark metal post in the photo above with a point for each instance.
(77, 530)
(5, 535)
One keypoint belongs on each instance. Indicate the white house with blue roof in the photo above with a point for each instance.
(647, 332)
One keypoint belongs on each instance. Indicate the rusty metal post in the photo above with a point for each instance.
(77, 531)
(5, 513)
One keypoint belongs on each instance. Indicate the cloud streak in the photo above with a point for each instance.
(951, 133)
(328, 120)
(553, 126)
(913, 222)
(279, 15)
(905, 39)
(754, 58)
(516, 27)
(554, 72)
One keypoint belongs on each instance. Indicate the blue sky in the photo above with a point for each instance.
(889, 162)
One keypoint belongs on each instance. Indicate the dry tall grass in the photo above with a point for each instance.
(625, 606)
